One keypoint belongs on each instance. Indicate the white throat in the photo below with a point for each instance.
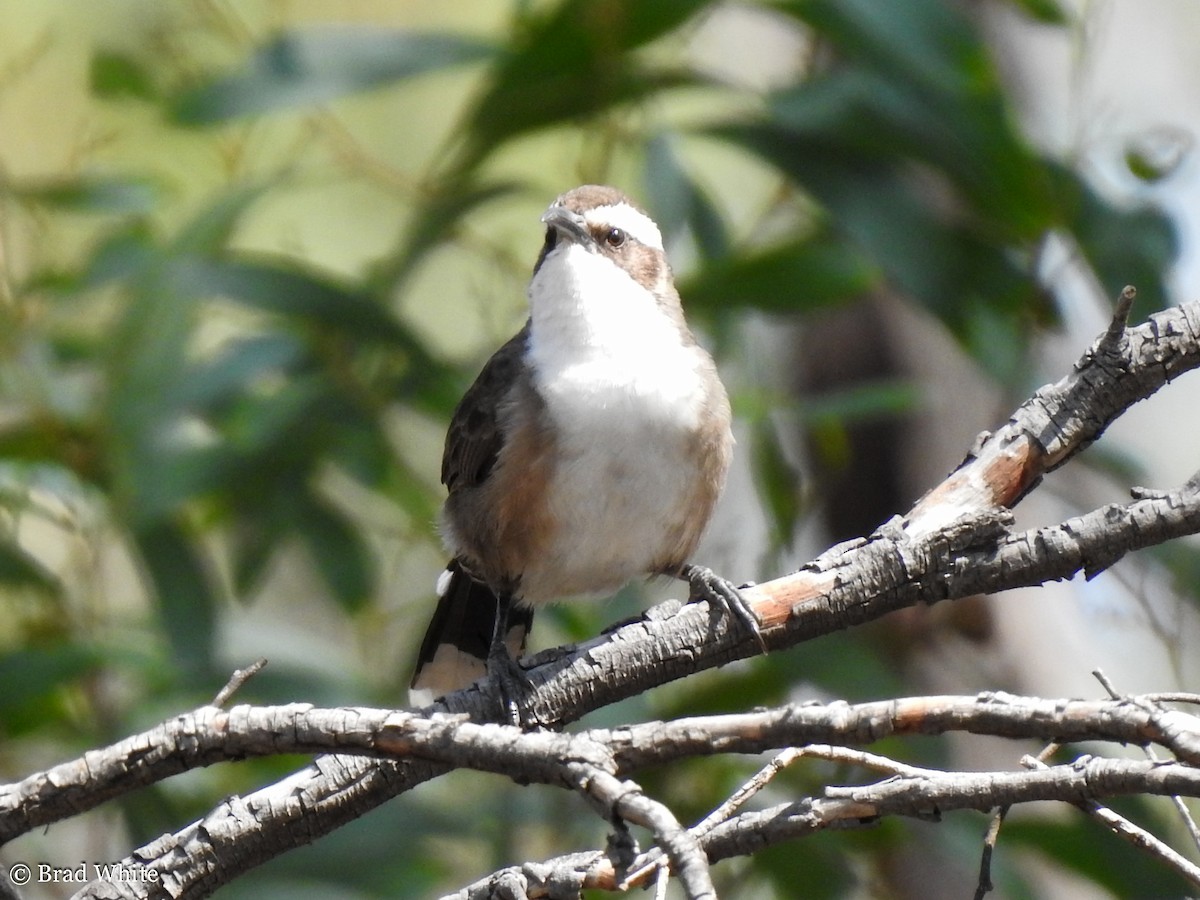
(626, 392)
(596, 332)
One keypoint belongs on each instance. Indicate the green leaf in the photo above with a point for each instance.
(90, 194)
(959, 231)
(887, 216)
(998, 340)
(180, 578)
(779, 483)
(918, 83)
(413, 494)
(33, 676)
(434, 220)
(210, 230)
(283, 287)
(254, 539)
(1125, 245)
(264, 442)
(1047, 12)
(286, 423)
(572, 62)
(306, 68)
(677, 203)
(862, 402)
(122, 254)
(361, 449)
(1150, 167)
(19, 569)
(799, 276)
(569, 96)
(234, 370)
(117, 75)
(144, 355)
(338, 550)
(880, 118)
(925, 43)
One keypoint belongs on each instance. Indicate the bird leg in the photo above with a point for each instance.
(501, 666)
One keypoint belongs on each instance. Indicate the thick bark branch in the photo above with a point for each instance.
(954, 542)
(210, 735)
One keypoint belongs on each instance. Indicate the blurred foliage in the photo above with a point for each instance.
(219, 352)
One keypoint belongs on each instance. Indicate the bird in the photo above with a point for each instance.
(590, 451)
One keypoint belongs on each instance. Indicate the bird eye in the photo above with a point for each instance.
(614, 237)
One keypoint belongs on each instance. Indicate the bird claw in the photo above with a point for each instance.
(510, 681)
(705, 584)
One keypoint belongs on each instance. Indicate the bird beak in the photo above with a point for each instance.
(568, 224)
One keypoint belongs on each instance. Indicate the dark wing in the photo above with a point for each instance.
(473, 439)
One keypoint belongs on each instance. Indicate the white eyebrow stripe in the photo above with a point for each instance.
(636, 223)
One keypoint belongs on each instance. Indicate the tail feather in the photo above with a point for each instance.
(455, 649)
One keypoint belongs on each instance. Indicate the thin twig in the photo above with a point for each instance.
(626, 800)
(1132, 833)
(760, 780)
(1106, 683)
(655, 858)
(990, 838)
(661, 880)
(1120, 319)
(1172, 697)
(1181, 807)
(866, 760)
(236, 680)
(1189, 820)
(873, 761)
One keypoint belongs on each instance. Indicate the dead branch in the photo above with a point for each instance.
(597, 763)
(209, 735)
(956, 541)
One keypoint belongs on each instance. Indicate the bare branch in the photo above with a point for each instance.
(1185, 814)
(1134, 834)
(984, 886)
(954, 542)
(1110, 341)
(209, 735)
(924, 795)
(237, 680)
(631, 805)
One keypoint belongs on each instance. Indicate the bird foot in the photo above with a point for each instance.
(707, 585)
(510, 680)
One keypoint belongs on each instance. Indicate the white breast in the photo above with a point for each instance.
(624, 389)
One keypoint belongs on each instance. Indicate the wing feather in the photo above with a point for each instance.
(474, 438)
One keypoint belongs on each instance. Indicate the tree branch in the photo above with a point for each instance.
(914, 793)
(1134, 834)
(208, 735)
(596, 762)
(954, 542)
